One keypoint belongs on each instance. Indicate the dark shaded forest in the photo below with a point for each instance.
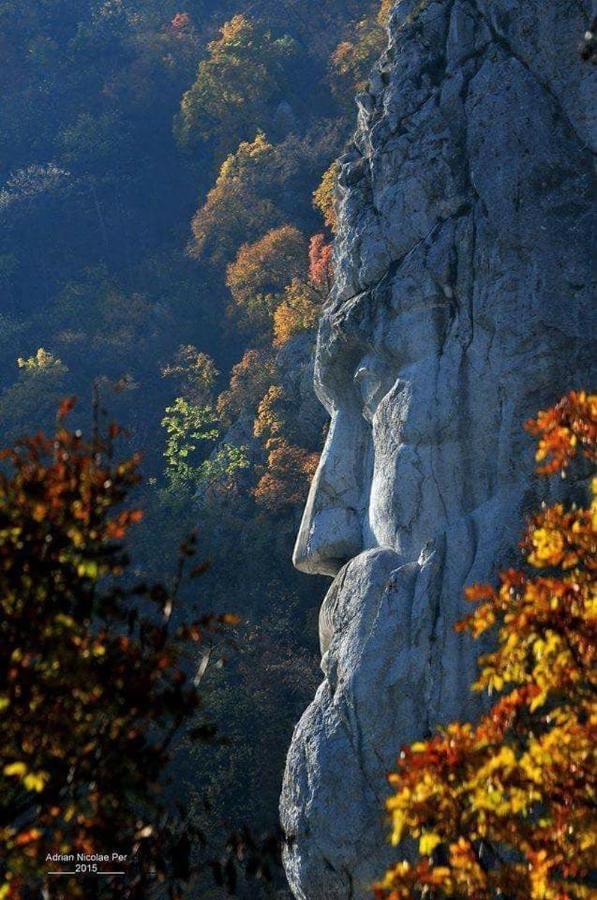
(166, 205)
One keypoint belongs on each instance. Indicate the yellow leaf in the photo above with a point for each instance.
(538, 701)
(36, 781)
(428, 843)
(17, 768)
(399, 826)
(88, 569)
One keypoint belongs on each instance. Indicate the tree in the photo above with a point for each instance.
(239, 206)
(43, 361)
(299, 311)
(275, 676)
(289, 472)
(353, 58)
(104, 329)
(249, 380)
(257, 277)
(96, 679)
(320, 265)
(190, 431)
(270, 422)
(34, 395)
(218, 476)
(196, 373)
(314, 26)
(300, 307)
(289, 469)
(384, 13)
(261, 186)
(193, 459)
(506, 808)
(245, 72)
(324, 197)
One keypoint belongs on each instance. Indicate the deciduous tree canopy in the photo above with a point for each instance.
(246, 71)
(261, 271)
(95, 677)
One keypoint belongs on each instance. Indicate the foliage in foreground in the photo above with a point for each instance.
(506, 808)
(96, 679)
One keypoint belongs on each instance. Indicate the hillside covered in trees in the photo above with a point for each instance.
(166, 207)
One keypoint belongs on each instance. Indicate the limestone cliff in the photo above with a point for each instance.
(462, 304)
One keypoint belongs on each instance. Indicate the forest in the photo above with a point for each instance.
(210, 210)
(166, 200)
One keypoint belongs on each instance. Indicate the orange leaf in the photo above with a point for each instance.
(65, 407)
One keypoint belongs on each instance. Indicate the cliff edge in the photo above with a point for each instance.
(462, 305)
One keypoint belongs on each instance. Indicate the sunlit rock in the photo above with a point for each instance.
(462, 305)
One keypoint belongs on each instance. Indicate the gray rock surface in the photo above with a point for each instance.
(462, 305)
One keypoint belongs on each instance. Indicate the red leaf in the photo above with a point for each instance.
(65, 407)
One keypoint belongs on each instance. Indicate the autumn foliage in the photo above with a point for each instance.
(261, 271)
(239, 202)
(195, 372)
(95, 678)
(249, 380)
(506, 808)
(246, 69)
(353, 59)
(320, 264)
(324, 197)
(289, 469)
(298, 312)
(300, 308)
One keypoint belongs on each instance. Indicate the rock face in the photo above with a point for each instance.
(461, 307)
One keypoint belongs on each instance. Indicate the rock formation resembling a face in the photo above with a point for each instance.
(389, 471)
(461, 305)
